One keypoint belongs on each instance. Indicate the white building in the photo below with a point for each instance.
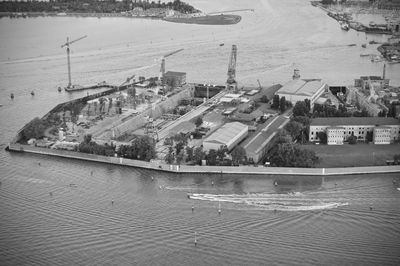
(228, 135)
(301, 89)
(338, 129)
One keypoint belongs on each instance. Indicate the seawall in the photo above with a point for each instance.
(185, 169)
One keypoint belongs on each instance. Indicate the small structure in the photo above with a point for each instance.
(175, 79)
(228, 135)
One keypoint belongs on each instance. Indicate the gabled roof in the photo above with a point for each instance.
(301, 87)
(226, 133)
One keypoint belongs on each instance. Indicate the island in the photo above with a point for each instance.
(176, 11)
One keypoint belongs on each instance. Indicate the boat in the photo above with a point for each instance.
(364, 45)
(364, 55)
(344, 26)
(221, 44)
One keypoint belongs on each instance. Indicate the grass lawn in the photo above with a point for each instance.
(347, 155)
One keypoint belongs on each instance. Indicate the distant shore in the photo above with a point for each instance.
(202, 20)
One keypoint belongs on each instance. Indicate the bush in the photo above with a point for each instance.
(352, 140)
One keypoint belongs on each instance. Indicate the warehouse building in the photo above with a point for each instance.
(228, 135)
(301, 89)
(385, 130)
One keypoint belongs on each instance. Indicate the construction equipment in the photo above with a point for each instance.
(259, 85)
(128, 80)
(231, 81)
(69, 63)
(162, 69)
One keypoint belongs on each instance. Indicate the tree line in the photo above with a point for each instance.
(96, 6)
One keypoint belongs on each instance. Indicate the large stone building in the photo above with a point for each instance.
(301, 89)
(385, 130)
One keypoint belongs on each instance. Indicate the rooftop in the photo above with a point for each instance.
(301, 87)
(356, 121)
(226, 133)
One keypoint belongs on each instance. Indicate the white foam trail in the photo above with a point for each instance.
(286, 202)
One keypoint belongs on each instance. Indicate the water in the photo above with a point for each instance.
(151, 222)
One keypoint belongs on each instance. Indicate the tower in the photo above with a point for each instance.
(231, 81)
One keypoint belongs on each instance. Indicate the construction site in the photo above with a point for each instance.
(159, 107)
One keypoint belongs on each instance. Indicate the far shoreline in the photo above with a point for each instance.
(199, 20)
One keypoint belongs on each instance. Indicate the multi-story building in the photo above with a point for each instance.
(385, 130)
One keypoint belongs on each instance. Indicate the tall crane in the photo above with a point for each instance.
(162, 69)
(231, 81)
(69, 61)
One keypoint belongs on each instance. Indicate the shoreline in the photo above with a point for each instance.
(185, 169)
(200, 20)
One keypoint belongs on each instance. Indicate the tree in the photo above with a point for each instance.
(308, 104)
(180, 156)
(352, 139)
(300, 109)
(189, 153)
(282, 104)
(211, 157)
(370, 135)
(238, 154)
(170, 157)
(199, 155)
(198, 121)
(264, 99)
(221, 152)
(323, 138)
(294, 129)
(34, 129)
(291, 155)
(275, 102)
(141, 148)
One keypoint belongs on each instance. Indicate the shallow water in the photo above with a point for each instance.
(57, 213)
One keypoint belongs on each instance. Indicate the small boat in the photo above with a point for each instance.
(344, 26)
(364, 55)
(364, 45)
(221, 44)
(353, 44)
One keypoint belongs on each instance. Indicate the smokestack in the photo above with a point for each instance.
(296, 74)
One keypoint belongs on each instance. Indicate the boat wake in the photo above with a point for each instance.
(284, 202)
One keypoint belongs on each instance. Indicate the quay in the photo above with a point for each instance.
(185, 169)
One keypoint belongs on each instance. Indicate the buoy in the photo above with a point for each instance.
(32, 93)
(39, 163)
(192, 208)
(195, 239)
(219, 208)
(370, 207)
(152, 178)
(112, 202)
(212, 183)
(12, 96)
(275, 183)
(59, 89)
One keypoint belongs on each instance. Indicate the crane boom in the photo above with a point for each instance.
(171, 53)
(71, 42)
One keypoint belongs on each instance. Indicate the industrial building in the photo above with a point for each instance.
(301, 89)
(175, 79)
(385, 130)
(228, 135)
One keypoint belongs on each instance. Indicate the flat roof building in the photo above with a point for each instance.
(228, 135)
(385, 130)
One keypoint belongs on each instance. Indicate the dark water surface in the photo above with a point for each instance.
(57, 213)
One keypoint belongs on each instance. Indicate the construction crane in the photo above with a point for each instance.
(259, 84)
(162, 69)
(69, 62)
(231, 81)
